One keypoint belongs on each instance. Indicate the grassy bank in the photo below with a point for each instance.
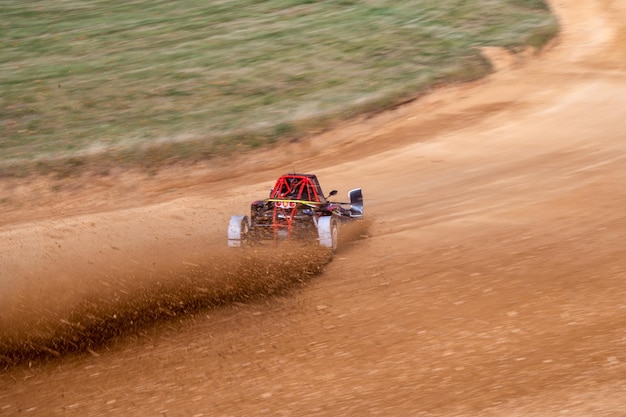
(150, 80)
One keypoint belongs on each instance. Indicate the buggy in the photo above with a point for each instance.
(296, 209)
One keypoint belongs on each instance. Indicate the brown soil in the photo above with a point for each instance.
(492, 281)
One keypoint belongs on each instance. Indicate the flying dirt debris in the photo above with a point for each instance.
(35, 327)
(32, 331)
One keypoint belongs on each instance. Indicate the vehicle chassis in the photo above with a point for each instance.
(295, 210)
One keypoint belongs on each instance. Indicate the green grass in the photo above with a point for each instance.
(151, 80)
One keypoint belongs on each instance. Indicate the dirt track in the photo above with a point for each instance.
(493, 281)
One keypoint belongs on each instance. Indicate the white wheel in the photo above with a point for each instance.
(238, 229)
(328, 232)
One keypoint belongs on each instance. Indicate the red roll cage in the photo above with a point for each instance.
(289, 191)
(302, 187)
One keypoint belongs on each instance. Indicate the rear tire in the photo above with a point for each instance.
(328, 232)
(238, 229)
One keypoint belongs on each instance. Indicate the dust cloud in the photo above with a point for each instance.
(88, 318)
(77, 315)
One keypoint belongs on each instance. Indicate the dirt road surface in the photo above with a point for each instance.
(492, 282)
